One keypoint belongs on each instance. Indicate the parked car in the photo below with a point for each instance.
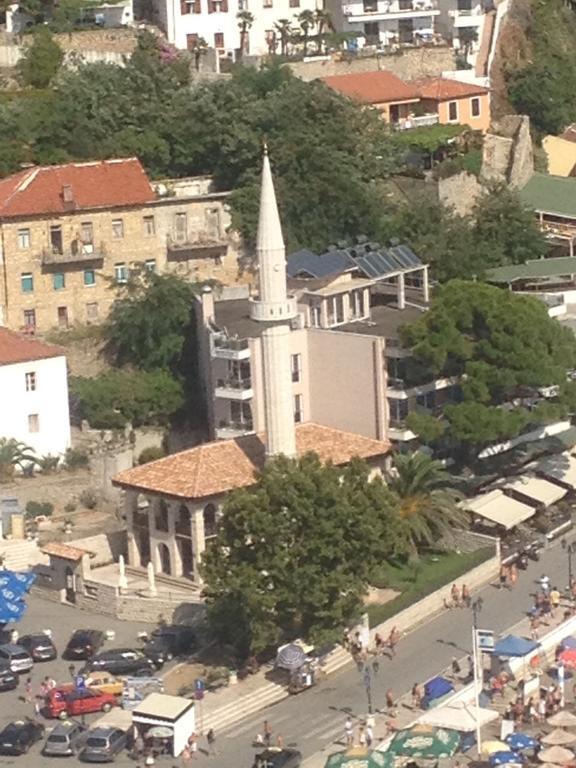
(66, 701)
(275, 757)
(65, 739)
(18, 658)
(103, 744)
(8, 679)
(83, 644)
(18, 736)
(104, 682)
(169, 641)
(39, 646)
(119, 661)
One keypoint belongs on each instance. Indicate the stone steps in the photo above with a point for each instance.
(230, 714)
(21, 555)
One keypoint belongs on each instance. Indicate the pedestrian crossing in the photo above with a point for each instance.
(324, 727)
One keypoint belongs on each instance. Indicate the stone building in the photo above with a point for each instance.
(69, 234)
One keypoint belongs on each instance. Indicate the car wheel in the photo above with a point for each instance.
(106, 707)
(63, 715)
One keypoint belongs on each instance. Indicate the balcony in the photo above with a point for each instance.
(78, 253)
(416, 122)
(234, 389)
(225, 348)
(384, 10)
(228, 430)
(199, 247)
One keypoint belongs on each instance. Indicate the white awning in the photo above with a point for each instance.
(561, 467)
(537, 488)
(499, 508)
(458, 717)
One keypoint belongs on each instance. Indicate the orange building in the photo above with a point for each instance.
(456, 102)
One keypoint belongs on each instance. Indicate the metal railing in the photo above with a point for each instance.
(416, 122)
(388, 6)
(234, 345)
(234, 383)
(84, 252)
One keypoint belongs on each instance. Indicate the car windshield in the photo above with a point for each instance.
(57, 738)
(20, 656)
(97, 742)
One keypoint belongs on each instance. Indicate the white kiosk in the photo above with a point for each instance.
(159, 711)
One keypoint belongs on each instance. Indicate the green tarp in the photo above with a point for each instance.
(425, 741)
(360, 758)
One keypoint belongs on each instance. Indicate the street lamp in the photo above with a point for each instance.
(476, 607)
(570, 550)
(368, 686)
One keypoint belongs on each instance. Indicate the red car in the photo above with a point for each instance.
(66, 702)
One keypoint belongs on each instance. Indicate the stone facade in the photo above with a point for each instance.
(508, 155)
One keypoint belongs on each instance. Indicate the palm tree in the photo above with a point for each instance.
(245, 21)
(428, 503)
(284, 29)
(14, 454)
(306, 20)
(323, 21)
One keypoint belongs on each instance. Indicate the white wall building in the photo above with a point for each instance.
(33, 394)
(185, 21)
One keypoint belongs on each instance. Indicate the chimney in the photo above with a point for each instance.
(67, 194)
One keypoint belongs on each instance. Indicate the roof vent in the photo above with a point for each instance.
(67, 194)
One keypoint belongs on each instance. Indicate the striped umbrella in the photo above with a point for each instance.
(291, 657)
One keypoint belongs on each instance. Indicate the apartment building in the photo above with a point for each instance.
(70, 234)
(216, 21)
(348, 368)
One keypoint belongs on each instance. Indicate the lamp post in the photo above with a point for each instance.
(570, 549)
(476, 609)
(367, 676)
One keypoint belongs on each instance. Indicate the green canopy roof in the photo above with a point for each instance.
(539, 268)
(424, 741)
(360, 758)
(551, 194)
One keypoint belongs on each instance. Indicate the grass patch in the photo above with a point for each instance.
(417, 580)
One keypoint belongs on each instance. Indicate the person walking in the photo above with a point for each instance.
(349, 731)
(456, 669)
(513, 575)
(267, 733)
(554, 599)
(503, 578)
(466, 596)
(416, 696)
(186, 757)
(369, 736)
(362, 736)
(28, 691)
(211, 739)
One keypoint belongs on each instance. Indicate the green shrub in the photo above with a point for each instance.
(70, 507)
(153, 453)
(88, 498)
(48, 463)
(39, 508)
(76, 458)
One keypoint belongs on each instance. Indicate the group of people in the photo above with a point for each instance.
(360, 652)
(363, 736)
(460, 597)
(508, 576)
(38, 700)
(534, 709)
(264, 739)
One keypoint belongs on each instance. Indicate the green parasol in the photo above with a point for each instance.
(357, 757)
(425, 741)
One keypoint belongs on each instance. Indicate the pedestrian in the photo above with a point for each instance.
(362, 736)
(211, 739)
(346, 639)
(455, 595)
(72, 671)
(456, 669)
(513, 575)
(545, 583)
(503, 576)
(51, 683)
(393, 640)
(534, 627)
(138, 746)
(369, 736)
(466, 596)
(554, 599)
(357, 645)
(193, 746)
(149, 759)
(541, 708)
(470, 662)
(279, 742)
(416, 696)
(267, 733)
(28, 691)
(378, 643)
(186, 756)
(390, 700)
(349, 731)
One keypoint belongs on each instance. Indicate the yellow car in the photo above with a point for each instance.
(104, 682)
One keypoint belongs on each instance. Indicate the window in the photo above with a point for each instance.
(121, 272)
(475, 106)
(294, 3)
(242, 5)
(184, 8)
(336, 310)
(30, 318)
(27, 282)
(426, 400)
(210, 521)
(92, 312)
(180, 226)
(86, 233)
(89, 277)
(219, 40)
(33, 423)
(23, 239)
(298, 408)
(149, 226)
(266, 3)
(30, 381)
(117, 229)
(296, 365)
(62, 314)
(161, 517)
(58, 281)
(316, 316)
(56, 239)
(358, 304)
(150, 265)
(398, 411)
(453, 111)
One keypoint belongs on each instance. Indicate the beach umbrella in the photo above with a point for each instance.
(11, 611)
(23, 579)
(494, 746)
(290, 657)
(562, 719)
(568, 657)
(520, 741)
(160, 732)
(558, 737)
(557, 755)
(358, 757)
(505, 758)
(425, 741)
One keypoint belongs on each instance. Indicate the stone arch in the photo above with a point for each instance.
(164, 561)
(210, 518)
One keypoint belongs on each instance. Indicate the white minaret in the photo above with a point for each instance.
(274, 305)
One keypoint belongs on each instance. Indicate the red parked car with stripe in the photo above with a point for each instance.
(67, 701)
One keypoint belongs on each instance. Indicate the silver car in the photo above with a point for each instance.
(102, 745)
(65, 739)
(17, 657)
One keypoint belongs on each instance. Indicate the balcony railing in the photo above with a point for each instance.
(187, 247)
(374, 7)
(417, 121)
(74, 254)
(239, 384)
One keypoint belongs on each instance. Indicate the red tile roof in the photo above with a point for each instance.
(59, 189)
(373, 87)
(64, 551)
(442, 89)
(220, 466)
(21, 349)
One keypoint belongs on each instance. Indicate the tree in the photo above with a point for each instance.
(284, 29)
(116, 398)
(148, 323)
(428, 503)
(245, 21)
(41, 61)
(14, 454)
(306, 20)
(294, 553)
(323, 22)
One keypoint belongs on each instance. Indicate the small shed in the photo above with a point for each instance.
(69, 567)
(174, 714)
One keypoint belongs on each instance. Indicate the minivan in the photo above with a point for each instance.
(103, 744)
(17, 657)
(65, 739)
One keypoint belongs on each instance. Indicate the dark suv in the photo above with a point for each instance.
(39, 646)
(83, 644)
(120, 661)
(169, 641)
(275, 757)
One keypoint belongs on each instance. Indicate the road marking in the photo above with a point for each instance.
(252, 724)
(323, 723)
(339, 730)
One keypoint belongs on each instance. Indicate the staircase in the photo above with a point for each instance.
(227, 715)
(20, 555)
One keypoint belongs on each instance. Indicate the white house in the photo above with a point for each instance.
(33, 394)
(215, 21)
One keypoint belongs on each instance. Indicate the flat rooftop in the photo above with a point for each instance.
(385, 320)
(233, 316)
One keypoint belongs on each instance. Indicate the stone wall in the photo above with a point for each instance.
(408, 63)
(459, 192)
(508, 155)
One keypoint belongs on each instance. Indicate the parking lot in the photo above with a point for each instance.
(62, 620)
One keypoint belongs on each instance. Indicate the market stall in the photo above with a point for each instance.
(166, 721)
